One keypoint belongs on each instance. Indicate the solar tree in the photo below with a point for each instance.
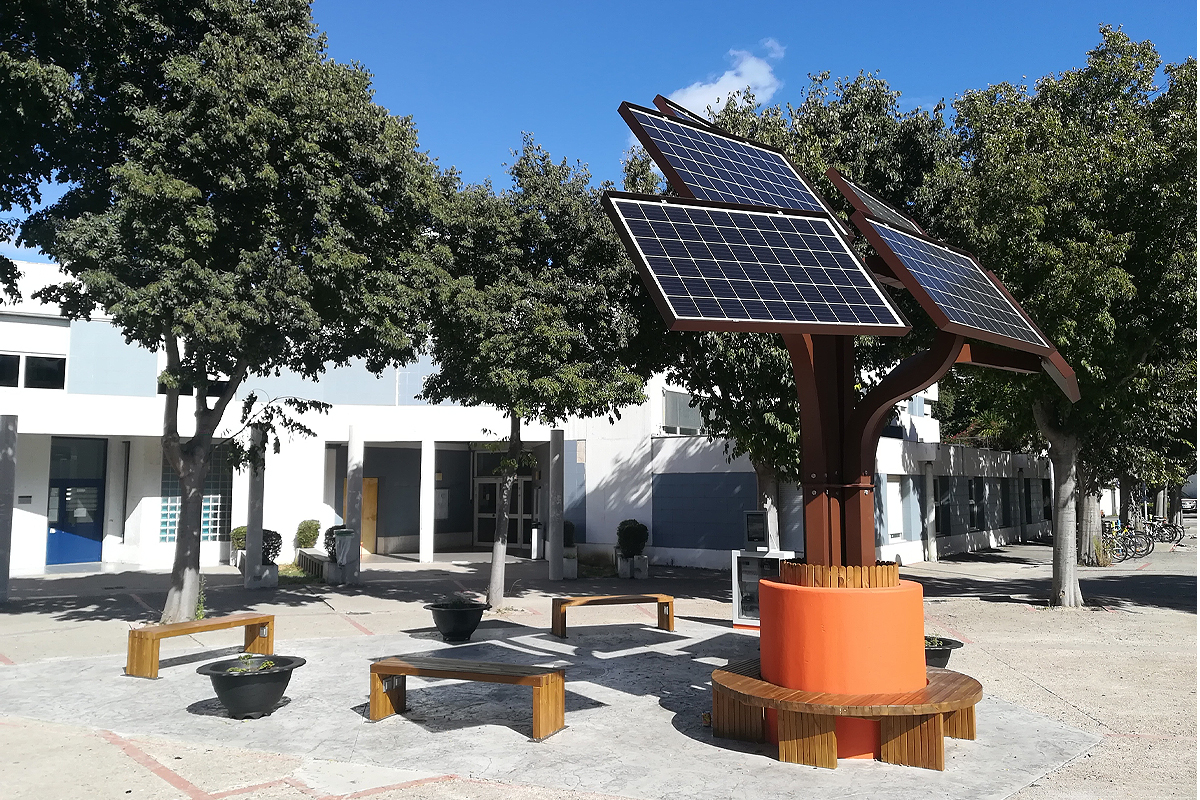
(749, 245)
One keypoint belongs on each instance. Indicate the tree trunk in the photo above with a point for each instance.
(768, 500)
(495, 596)
(1176, 512)
(1091, 554)
(185, 573)
(1127, 492)
(1064, 452)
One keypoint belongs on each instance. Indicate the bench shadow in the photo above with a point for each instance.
(212, 708)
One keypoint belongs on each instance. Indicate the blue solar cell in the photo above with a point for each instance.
(705, 275)
(717, 167)
(959, 287)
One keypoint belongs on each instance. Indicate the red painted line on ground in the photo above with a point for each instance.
(143, 603)
(1143, 566)
(150, 763)
(394, 786)
(955, 634)
(6, 661)
(244, 789)
(362, 628)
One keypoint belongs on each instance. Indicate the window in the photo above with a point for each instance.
(916, 406)
(679, 416)
(1006, 502)
(10, 368)
(976, 508)
(45, 372)
(1047, 500)
(218, 496)
(941, 508)
(1028, 501)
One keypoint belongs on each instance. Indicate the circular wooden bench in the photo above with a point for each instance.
(912, 724)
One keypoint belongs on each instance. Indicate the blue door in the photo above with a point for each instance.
(75, 507)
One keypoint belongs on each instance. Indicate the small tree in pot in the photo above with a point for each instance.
(631, 541)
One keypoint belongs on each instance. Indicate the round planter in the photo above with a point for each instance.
(940, 656)
(250, 694)
(456, 622)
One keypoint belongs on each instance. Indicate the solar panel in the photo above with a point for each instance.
(705, 164)
(718, 267)
(673, 109)
(869, 204)
(951, 286)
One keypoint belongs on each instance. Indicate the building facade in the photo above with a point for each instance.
(93, 489)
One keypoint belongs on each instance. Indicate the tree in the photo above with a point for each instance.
(262, 214)
(743, 383)
(1081, 194)
(540, 315)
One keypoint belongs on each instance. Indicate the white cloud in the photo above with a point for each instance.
(774, 48)
(748, 70)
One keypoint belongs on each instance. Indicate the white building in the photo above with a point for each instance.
(92, 487)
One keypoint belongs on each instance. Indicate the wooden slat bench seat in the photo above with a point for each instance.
(388, 695)
(142, 659)
(912, 724)
(666, 608)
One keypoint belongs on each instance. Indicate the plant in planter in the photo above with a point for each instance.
(457, 617)
(937, 650)
(250, 685)
(307, 533)
(631, 541)
(570, 552)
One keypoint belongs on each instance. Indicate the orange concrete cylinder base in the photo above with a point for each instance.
(846, 641)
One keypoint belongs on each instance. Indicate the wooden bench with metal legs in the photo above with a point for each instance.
(558, 613)
(912, 724)
(388, 694)
(142, 658)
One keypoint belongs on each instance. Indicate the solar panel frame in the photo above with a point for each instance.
(681, 186)
(701, 323)
(861, 200)
(866, 224)
(671, 108)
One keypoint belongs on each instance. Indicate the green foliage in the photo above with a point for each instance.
(329, 542)
(632, 537)
(237, 538)
(307, 533)
(249, 662)
(272, 543)
(568, 533)
(201, 611)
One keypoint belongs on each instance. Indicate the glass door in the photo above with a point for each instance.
(75, 506)
(522, 507)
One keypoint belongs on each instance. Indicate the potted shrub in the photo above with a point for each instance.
(457, 617)
(937, 650)
(307, 533)
(272, 543)
(631, 541)
(570, 552)
(250, 685)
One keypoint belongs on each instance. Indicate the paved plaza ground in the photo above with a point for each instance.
(1092, 703)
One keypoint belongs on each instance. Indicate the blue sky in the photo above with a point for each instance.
(474, 75)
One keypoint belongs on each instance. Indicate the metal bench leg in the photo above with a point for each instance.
(960, 724)
(388, 696)
(666, 615)
(141, 660)
(260, 638)
(807, 739)
(732, 719)
(558, 618)
(915, 741)
(549, 706)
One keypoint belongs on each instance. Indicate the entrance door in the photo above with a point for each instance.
(370, 511)
(75, 507)
(895, 510)
(521, 509)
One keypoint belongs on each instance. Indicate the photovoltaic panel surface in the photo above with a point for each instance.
(880, 209)
(959, 287)
(725, 269)
(717, 167)
(673, 109)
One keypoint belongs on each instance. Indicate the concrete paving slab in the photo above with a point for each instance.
(635, 699)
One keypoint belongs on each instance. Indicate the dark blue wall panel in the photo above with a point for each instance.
(575, 489)
(702, 510)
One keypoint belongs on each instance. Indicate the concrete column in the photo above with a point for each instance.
(930, 526)
(354, 504)
(8, 488)
(554, 539)
(254, 574)
(428, 499)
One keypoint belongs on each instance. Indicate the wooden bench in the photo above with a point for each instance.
(911, 724)
(142, 660)
(666, 608)
(388, 690)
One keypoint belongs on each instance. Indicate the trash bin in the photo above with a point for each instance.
(344, 545)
